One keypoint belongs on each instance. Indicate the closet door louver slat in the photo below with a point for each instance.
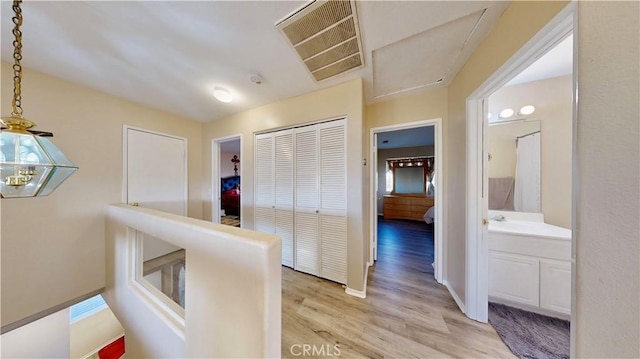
(264, 174)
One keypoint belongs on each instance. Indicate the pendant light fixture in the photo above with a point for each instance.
(30, 164)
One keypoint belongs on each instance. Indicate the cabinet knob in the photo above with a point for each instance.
(317, 211)
(485, 221)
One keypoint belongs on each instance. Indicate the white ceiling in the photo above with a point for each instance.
(557, 62)
(169, 55)
(421, 136)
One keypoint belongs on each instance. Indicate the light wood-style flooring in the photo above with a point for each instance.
(406, 314)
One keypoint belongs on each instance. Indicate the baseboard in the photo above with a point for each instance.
(455, 296)
(356, 293)
(360, 293)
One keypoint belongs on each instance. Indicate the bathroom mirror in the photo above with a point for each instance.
(514, 166)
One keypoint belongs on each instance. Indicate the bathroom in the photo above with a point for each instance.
(529, 141)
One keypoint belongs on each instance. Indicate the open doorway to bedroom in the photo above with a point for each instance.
(226, 181)
(406, 228)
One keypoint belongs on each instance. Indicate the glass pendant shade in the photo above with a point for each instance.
(30, 165)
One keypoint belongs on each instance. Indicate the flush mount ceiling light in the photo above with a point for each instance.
(30, 164)
(527, 110)
(506, 113)
(222, 94)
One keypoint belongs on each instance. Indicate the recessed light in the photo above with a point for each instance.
(506, 113)
(222, 94)
(527, 110)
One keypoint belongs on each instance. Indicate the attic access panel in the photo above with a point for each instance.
(423, 59)
(326, 37)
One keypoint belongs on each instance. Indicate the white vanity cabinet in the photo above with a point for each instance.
(530, 271)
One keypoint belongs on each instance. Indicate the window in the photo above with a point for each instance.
(87, 307)
(389, 179)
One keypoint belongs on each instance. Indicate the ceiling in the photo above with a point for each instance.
(232, 146)
(170, 55)
(421, 136)
(557, 62)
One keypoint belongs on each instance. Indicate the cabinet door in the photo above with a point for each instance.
(555, 285)
(264, 173)
(513, 277)
(333, 244)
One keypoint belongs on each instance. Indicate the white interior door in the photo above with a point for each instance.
(284, 219)
(306, 200)
(375, 203)
(156, 178)
(156, 171)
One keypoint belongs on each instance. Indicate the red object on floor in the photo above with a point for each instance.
(112, 351)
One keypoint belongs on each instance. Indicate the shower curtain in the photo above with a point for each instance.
(527, 186)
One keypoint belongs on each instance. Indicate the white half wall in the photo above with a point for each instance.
(47, 337)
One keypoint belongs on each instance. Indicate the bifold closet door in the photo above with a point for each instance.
(264, 220)
(283, 159)
(306, 200)
(333, 200)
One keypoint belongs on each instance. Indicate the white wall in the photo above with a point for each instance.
(60, 238)
(232, 290)
(607, 308)
(47, 338)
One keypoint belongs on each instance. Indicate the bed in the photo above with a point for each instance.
(430, 215)
(230, 195)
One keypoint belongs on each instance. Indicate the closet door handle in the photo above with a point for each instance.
(317, 211)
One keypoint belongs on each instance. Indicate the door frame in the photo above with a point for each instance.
(439, 242)
(477, 250)
(125, 159)
(216, 196)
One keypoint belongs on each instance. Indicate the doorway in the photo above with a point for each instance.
(477, 244)
(226, 180)
(432, 188)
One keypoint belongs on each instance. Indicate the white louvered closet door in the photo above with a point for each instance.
(264, 220)
(307, 246)
(333, 200)
(284, 163)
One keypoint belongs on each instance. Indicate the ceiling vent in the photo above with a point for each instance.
(326, 36)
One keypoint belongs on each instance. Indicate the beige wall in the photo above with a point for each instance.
(384, 154)
(520, 21)
(341, 100)
(92, 333)
(55, 244)
(607, 309)
(426, 105)
(553, 101)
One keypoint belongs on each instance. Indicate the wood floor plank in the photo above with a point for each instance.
(406, 314)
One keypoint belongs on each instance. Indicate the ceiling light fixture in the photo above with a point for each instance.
(30, 164)
(222, 94)
(506, 113)
(527, 110)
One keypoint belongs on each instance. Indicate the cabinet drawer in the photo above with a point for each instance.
(397, 200)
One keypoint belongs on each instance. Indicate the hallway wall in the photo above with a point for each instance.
(55, 244)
